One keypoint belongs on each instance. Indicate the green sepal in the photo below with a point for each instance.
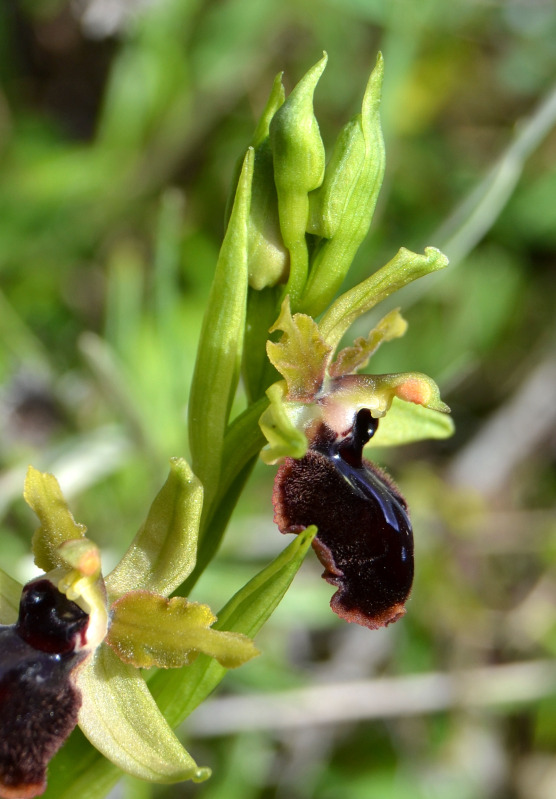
(148, 630)
(43, 495)
(121, 719)
(280, 424)
(242, 444)
(299, 160)
(405, 267)
(10, 593)
(163, 553)
(220, 346)
(178, 693)
(405, 423)
(347, 198)
(350, 359)
(301, 355)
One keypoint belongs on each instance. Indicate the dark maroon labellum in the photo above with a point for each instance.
(38, 701)
(364, 539)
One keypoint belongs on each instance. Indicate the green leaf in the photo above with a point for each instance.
(220, 347)
(391, 326)
(406, 422)
(242, 444)
(301, 355)
(43, 495)
(148, 630)
(120, 718)
(164, 551)
(405, 267)
(179, 692)
(10, 592)
(347, 198)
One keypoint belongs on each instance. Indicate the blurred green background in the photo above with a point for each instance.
(120, 124)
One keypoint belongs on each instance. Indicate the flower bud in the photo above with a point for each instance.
(268, 259)
(328, 202)
(343, 207)
(298, 158)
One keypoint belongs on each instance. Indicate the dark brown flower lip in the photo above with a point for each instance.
(39, 701)
(364, 538)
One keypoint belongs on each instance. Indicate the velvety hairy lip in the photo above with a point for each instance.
(38, 701)
(364, 539)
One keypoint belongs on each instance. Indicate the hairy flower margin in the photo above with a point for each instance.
(294, 227)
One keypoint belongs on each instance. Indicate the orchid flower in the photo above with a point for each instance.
(73, 650)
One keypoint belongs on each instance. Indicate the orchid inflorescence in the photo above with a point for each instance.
(75, 644)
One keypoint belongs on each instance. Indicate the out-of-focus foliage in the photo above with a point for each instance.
(120, 125)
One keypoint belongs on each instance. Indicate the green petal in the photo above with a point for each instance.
(278, 424)
(405, 267)
(220, 347)
(301, 355)
(164, 551)
(10, 592)
(148, 630)
(121, 719)
(406, 422)
(179, 692)
(43, 495)
(391, 326)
